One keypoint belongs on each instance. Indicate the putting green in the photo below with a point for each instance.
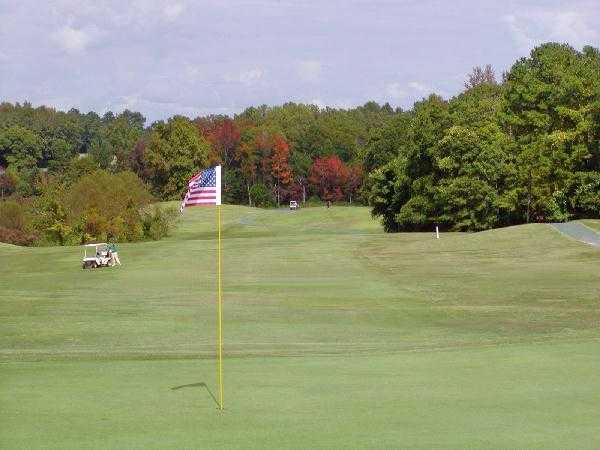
(336, 336)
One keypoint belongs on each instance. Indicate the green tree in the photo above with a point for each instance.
(261, 196)
(387, 142)
(389, 190)
(19, 147)
(583, 193)
(50, 214)
(552, 105)
(113, 145)
(234, 190)
(122, 134)
(59, 155)
(466, 204)
(429, 123)
(79, 166)
(175, 151)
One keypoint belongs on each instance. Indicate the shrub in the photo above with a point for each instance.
(314, 200)
(261, 196)
(157, 222)
(13, 215)
(78, 167)
(99, 206)
(8, 183)
(17, 237)
(108, 206)
(15, 224)
(110, 195)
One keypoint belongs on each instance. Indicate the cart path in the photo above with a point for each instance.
(579, 232)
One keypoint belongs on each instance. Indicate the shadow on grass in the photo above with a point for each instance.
(201, 384)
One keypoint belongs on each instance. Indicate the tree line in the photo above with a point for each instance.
(520, 149)
(269, 154)
(524, 149)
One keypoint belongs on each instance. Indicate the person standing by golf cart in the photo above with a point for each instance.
(112, 249)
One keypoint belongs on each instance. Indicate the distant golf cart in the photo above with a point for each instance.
(294, 205)
(99, 257)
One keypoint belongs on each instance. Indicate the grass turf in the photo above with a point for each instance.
(592, 223)
(337, 336)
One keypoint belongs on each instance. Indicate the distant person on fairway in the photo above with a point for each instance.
(114, 256)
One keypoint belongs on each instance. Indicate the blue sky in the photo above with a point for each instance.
(199, 57)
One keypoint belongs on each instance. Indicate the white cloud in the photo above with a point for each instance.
(532, 27)
(248, 77)
(309, 70)
(395, 91)
(270, 52)
(125, 102)
(340, 104)
(72, 39)
(252, 76)
(173, 11)
(400, 92)
(419, 87)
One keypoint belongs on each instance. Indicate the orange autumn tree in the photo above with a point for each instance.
(281, 170)
(328, 178)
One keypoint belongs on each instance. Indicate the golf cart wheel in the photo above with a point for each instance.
(94, 265)
(84, 266)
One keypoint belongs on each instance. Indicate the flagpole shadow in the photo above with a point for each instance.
(201, 384)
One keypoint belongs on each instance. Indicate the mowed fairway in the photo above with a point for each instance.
(337, 336)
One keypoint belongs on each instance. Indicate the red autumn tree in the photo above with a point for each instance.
(254, 157)
(353, 182)
(263, 144)
(328, 176)
(224, 137)
(137, 160)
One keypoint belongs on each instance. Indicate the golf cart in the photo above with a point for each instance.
(99, 258)
(293, 205)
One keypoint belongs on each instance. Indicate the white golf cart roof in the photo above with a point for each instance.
(95, 245)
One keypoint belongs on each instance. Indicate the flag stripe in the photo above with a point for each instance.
(204, 188)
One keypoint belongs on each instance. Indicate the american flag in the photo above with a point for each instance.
(204, 188)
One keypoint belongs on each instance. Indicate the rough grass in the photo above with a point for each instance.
(337, 336)
(592, 223)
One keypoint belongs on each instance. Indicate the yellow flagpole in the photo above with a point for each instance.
(219, 310)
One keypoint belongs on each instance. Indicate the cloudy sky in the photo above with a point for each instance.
(220, 56)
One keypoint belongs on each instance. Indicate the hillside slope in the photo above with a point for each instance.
(294, 283)
(336, 336)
